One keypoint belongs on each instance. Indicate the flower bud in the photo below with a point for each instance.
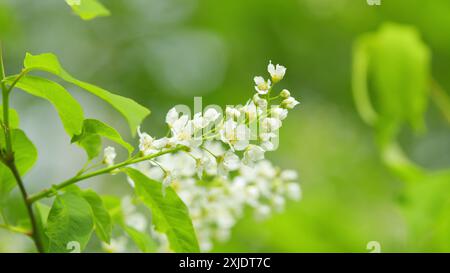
(285, 93)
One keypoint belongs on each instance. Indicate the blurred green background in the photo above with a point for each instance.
(165, 52)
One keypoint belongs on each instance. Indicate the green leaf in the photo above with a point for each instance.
(170, 214)
(68, 108)
(70, 221)
(102, 219)
(7, 182)
(142, 240)
(25, 156)
(88, 9)
(42, 211)
(426, 208)
(13, 117)
(133, 112)
(90, 139)
(114, 207)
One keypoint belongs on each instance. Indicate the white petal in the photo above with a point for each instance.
(259, 80)
(172, 116)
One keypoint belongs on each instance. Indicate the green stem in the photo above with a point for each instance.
(5, 101)
(50, 192)
(17, 79)
(441, 99)
(16, 229)
(8, 157)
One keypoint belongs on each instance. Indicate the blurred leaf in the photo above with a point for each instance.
(397, 64)
(88, 9)
(69, 221)
(13, 117)
(68, 108)
(132, 111)
(142, 240)
(25, 154)
(426, 207)
(90, 140)
(170, 214)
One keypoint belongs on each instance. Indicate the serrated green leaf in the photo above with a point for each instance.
(102, 219)
(88, 9)
(142, 240)
(170, 214)
(69, 110)
(133, 112)
(25, 156)
(13, 117)
(90, 140)
(70, 221)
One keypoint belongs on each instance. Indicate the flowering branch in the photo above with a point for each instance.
(80, 177)
(224, 169)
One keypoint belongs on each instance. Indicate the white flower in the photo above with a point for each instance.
(285, 93)
(145, 142)
(109, 155)
(179, 124)
(278, 202)
(232, 113)
(262, 211)
(294, 191)
(252, 154)
(258, 101)
(183, 130)
(268, 145)
(262, 86)
(279, 113)
(161, 143)
(172, 116)
(276, 72)
(198, 121)
(211, 115)
(270, 124)
(289, 103)
(136, 221)
(214, 147)
(289, 175)
(201, 121)
(250, 111)
(237, 136)
(127, 204)
(204, 162)
(229, 162)
(117, 245)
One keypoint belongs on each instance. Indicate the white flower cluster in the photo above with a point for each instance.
(215, 202)
(223, 169)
